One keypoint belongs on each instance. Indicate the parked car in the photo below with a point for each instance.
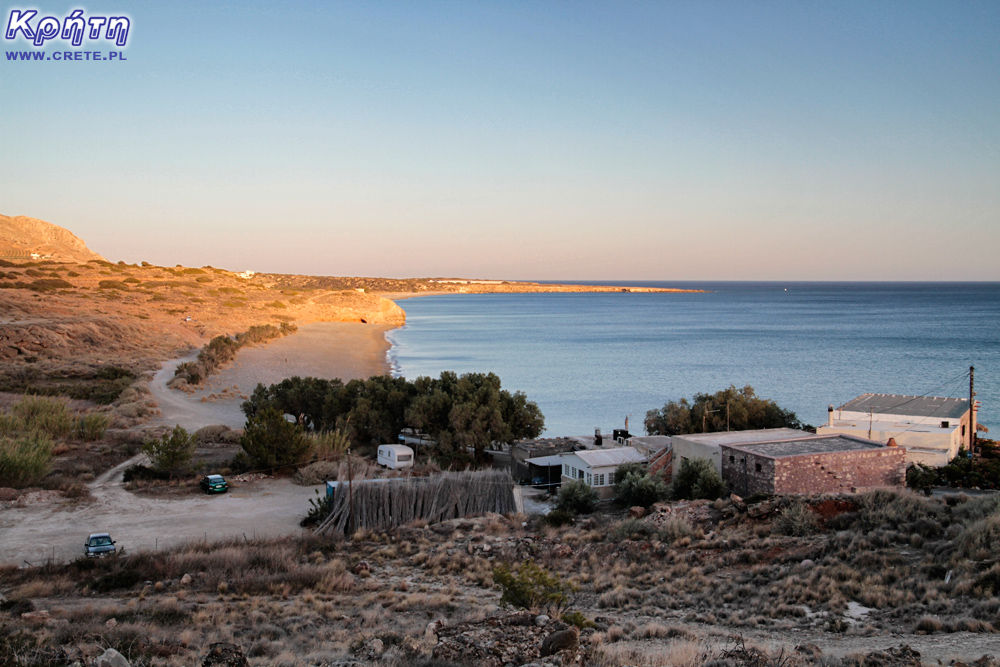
(98, 544)
(214, 484)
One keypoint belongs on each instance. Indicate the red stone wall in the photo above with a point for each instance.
(814, 473)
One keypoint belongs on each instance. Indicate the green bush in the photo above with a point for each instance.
(531, 587)
(170, 452)
(270, 440)
(920, 477)
(577, 497)
(636, 487)
(47, 415)
(92, 427)
(24, 460)
(559, 517)
(578, 619)
(697, 478)
(797, 520)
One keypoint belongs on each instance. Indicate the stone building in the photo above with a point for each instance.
(815, 464)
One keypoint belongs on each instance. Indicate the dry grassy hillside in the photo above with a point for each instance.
(21, 236)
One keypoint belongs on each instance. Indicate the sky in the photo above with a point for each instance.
(541, 140)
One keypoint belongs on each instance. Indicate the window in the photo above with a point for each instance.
(403, 458)
(566, 469)
(611, 478)
(945, 424)
(590, 480)
(600, 480)
(756, 467)
(580, 474)
(732, 459)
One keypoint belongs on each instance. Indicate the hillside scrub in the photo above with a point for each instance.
(222, 349)
(697, 479)
(577, 497)
(634, 487)
(24, 459)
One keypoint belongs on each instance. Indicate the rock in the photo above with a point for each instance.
(224, 655)
(111, 623)
(806, 563)
(542, 620)
(810, 651)
(562, 551)
(738, 502)
(900, 656)
(362, 569)
(111, 658)
(186, 580)
(376, 646)
(560, 641)
(637, 512)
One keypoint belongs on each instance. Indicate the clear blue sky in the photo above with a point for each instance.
(550, 140)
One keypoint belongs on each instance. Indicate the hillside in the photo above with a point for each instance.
(22, 237)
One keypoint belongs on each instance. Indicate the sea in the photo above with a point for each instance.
(591, 360)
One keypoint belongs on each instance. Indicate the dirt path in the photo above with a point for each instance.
(55, 529)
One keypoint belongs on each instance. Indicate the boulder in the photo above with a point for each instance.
(111, 658)
(560, 641)
(222, 654)
(542, 620)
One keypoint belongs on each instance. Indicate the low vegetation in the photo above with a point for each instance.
(222, 349)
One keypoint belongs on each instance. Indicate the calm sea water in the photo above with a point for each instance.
(589, 360)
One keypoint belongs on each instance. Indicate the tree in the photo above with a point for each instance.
(471, 412)
(270, 440)
(729, 409)
(634, 486)
(170, 452)
(531, 587)
(697, 478)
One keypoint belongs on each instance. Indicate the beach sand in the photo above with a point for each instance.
(344, 350)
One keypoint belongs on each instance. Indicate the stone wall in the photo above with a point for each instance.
(830, 472)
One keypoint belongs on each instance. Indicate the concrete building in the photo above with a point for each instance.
(815, 464)
(597, 467)
(706, 445)
(932, 429)
(529, 457)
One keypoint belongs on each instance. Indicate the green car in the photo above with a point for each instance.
(214, 484)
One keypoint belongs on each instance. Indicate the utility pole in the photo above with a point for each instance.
(704, 420)
(727, 417)
(972, 409)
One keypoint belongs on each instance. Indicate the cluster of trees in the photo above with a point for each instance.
(222, 349)
(730, 409)
(961, 471)
(459, 412)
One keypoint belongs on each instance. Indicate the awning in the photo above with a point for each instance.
(553, 460)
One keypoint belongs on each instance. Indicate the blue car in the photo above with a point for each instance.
(98, 545)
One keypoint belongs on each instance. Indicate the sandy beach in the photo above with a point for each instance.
(343, 350)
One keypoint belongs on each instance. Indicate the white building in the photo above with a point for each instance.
(931, 428)
(597, 467)
(707, 445)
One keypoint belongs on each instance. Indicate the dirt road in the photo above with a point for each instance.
(54, 528)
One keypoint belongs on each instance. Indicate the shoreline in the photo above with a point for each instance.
(345, 350)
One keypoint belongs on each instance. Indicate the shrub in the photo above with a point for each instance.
(558, 517)
(636, 487)
(47, 415)
(977, 508)
(578, 619)
(270, 440)
(327, 444)
(170, 452)
(920, 477)
(92, 427)
(980, 540)
(797, 520)
(24, 460)
(893, 509)
(577, 497)
(631, 529)
(137, 472)
(531, 587)
(697, 478)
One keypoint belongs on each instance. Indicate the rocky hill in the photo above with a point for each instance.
(22, 237)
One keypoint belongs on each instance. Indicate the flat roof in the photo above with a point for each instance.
(917, 406)
(603, 458)
(822, 444)
(932, 426)
(743, 437)
(554, 460)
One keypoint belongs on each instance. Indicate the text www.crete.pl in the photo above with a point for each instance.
(116, 56)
